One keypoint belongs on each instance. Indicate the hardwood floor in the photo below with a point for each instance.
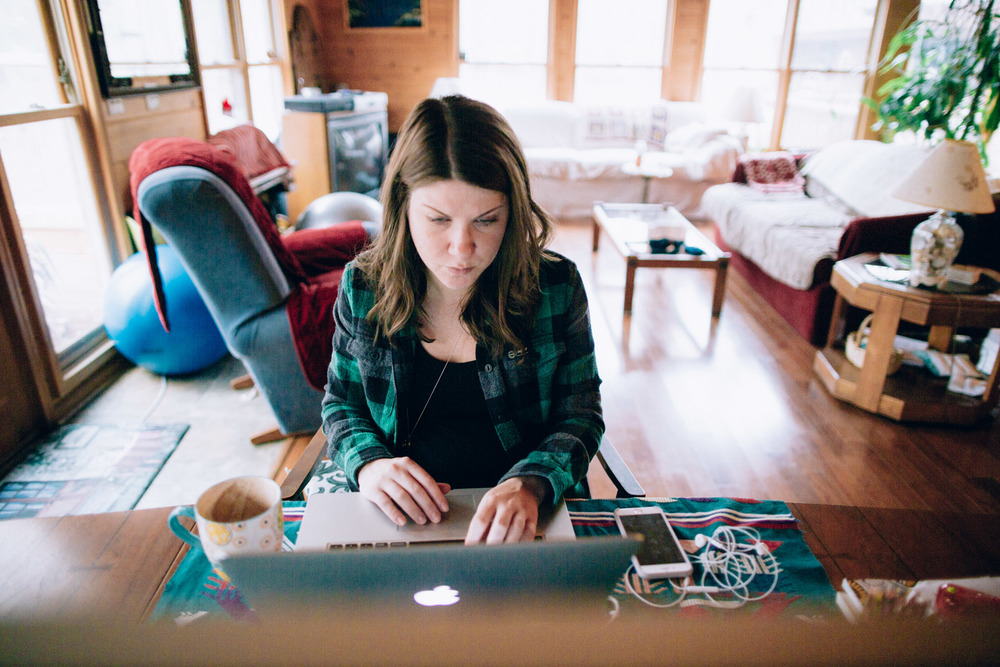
(696, 407)
(732, 407)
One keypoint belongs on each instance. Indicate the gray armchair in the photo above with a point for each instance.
(271, 296)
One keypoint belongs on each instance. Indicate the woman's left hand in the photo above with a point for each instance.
(508, 512)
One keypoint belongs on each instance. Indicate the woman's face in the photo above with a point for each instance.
(457, 229)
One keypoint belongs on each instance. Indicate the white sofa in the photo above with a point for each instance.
(785, 242)
(576, 153)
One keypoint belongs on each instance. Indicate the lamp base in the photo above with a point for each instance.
(933, 248)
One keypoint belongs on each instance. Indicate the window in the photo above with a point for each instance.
(824, 75)
(619, 50)
(504, 49)
(828, 71)
(742, 52)
(241, 74)
(144, 40)
(56, 211)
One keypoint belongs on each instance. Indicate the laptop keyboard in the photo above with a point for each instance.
(398, 545)
(389, 545)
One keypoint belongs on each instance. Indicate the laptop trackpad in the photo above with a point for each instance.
(454, 524)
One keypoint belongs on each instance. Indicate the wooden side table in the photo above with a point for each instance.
(912, 394)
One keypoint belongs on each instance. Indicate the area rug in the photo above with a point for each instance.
(197, 589)
(88, 469)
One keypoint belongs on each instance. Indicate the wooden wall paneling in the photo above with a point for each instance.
(685, 45)
(305, 47)
(402, 62)
(561, 78)
(131, 120)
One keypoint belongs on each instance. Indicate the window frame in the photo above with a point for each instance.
(785, 71)
(60, 381)
(463, 64)
(241, 64)
(683, 66)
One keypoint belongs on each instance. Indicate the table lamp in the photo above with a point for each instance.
(743, 109)
(951, 178)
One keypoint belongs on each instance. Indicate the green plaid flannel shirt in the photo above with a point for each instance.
(544, 401)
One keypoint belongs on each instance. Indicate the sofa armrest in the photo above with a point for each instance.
(889, 234)
(715, 160)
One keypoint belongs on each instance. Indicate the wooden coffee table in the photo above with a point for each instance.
(628, 227)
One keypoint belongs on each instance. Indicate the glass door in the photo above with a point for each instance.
(54, 214)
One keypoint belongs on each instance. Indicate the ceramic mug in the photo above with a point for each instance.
(239, 515)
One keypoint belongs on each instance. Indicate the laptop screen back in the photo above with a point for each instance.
(456, 577)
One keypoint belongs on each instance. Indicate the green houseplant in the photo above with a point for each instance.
(947, 77)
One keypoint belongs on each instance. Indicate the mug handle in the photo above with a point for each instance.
(180, 530)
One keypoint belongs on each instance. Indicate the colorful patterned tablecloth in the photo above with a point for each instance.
(197, 589)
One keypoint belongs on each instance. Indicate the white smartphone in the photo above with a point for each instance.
(660, 555)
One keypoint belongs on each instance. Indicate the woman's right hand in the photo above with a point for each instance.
(401, 489)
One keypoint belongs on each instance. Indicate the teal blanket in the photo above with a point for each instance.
(196, 589)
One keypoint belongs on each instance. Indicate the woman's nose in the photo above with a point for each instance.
(461, 240)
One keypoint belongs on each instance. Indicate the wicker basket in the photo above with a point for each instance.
(854, 347)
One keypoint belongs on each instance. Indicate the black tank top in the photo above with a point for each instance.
(454, 441)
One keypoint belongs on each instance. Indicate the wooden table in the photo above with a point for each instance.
(627, 225)
(911, 394)
(114, 566)
(108, 572)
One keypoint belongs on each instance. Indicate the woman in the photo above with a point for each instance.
(463, 355)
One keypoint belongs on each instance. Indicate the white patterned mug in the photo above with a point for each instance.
(239, 515)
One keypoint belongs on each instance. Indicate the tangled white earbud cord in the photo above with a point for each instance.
(728, 566)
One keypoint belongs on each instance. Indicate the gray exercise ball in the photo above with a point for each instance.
(336, 207)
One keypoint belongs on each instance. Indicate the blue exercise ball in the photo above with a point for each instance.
(130, 317)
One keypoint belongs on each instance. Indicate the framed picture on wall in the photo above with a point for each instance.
(384, 14)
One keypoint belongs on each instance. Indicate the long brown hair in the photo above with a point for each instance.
(466, 140)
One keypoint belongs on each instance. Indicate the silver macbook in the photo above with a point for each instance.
(351, 521)
(438, 579)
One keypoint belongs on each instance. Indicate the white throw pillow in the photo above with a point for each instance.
(692, 135)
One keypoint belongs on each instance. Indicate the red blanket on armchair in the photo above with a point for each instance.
(311, 260)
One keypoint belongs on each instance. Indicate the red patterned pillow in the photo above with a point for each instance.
(775, 171)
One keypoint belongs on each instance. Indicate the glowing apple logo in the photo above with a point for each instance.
(440, 596)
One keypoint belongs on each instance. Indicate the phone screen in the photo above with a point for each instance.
(658, 543)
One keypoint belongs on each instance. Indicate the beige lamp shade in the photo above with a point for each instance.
(951, 177)
(743, 106)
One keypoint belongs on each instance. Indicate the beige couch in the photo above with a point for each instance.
(576, 153)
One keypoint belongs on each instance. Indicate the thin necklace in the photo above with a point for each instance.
(409, 438)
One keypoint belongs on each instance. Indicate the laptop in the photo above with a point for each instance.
(348, 554)
(350, 521)
(439, 580)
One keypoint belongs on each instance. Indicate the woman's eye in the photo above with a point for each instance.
(439, 219)
(486, 221)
